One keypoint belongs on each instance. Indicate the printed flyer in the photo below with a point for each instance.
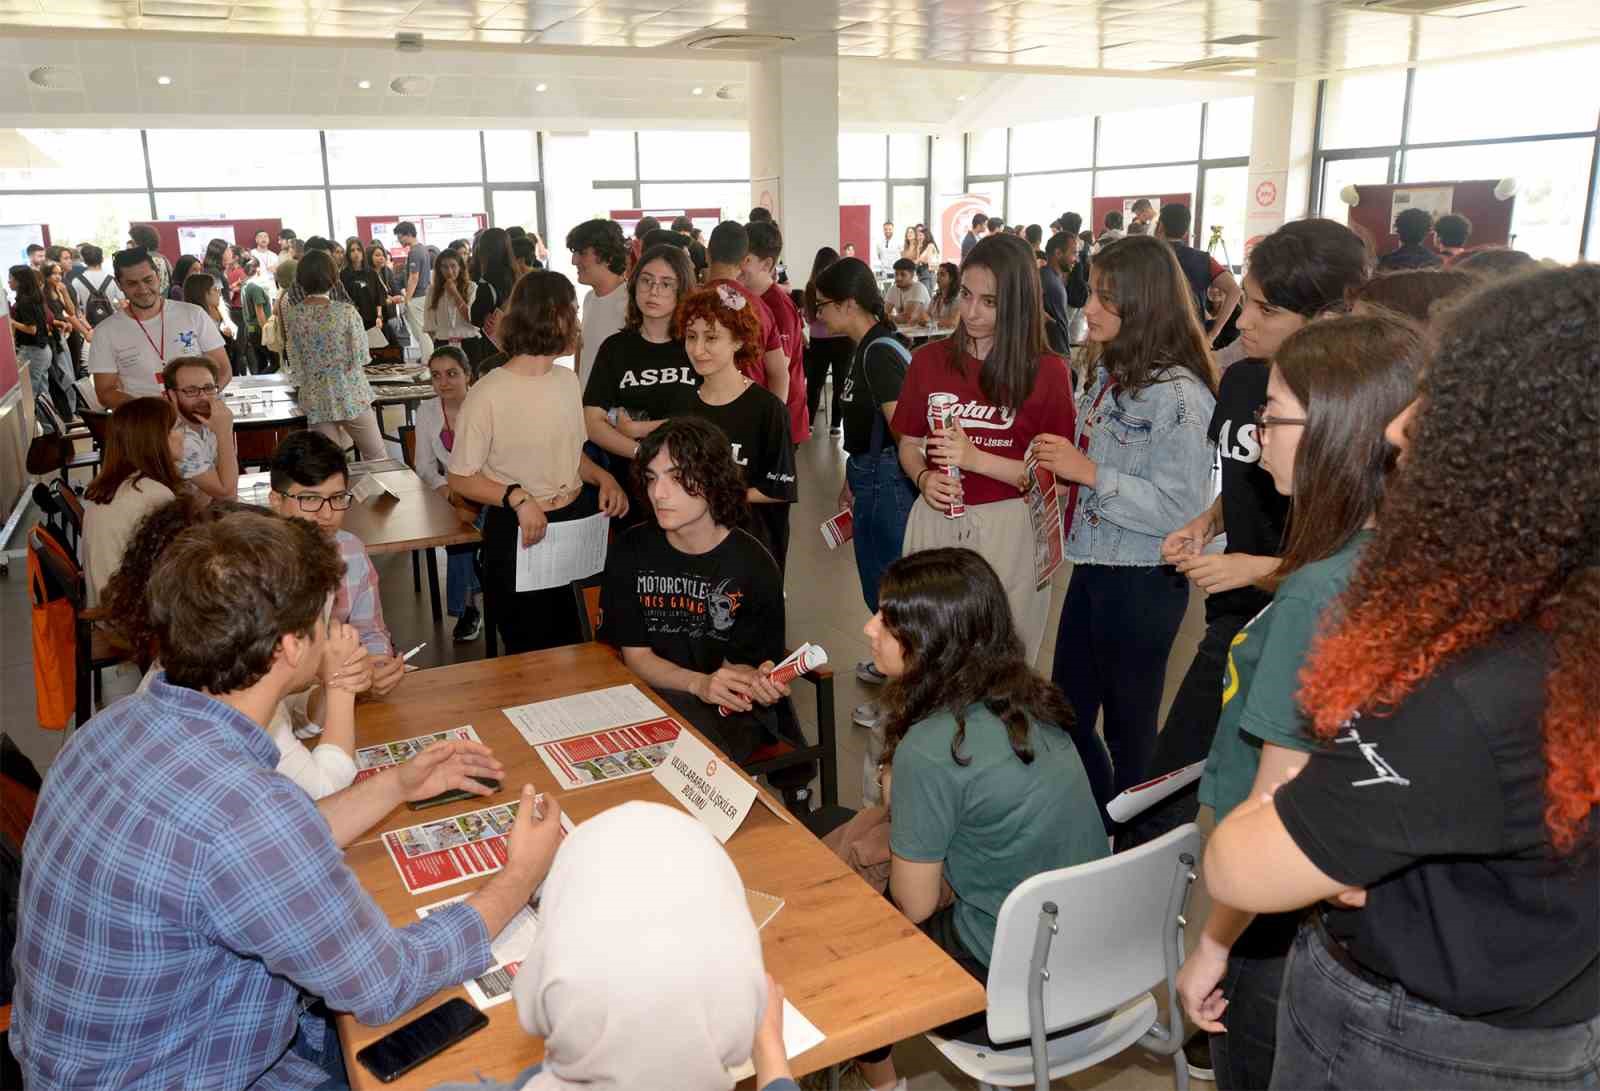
(451, 850)
(510, 947)
(603, 756)
(375, 759)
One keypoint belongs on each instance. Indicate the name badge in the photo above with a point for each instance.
(706, 786)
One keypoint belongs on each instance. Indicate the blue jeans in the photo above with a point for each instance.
(461, 574)
(883, 498)
(36, 358)
(1242, 1057)
(65, 373)
(1336, 1030)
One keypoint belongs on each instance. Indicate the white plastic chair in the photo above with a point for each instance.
(1082, 948)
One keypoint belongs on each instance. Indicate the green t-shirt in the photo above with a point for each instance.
(1263, 676)
(994, 821)
(249, 296)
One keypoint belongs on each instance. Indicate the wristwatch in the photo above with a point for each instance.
(505, 500)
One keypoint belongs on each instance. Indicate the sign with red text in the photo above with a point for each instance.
(706, 786)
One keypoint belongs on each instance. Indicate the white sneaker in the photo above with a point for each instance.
(870, 674)
(867, 715)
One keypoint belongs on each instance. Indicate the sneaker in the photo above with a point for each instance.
(1197, 1051)
(470, 626)
(867, 715)
(871, 675)
(836, 430)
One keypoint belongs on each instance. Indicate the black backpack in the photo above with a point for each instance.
(99, 308)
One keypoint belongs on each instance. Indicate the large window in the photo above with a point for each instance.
(1475, 119)
(662, 168)
(888, 172)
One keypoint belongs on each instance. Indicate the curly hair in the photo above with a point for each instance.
(703, 457)
(1491, 523)
(741, 322)
(941, 605)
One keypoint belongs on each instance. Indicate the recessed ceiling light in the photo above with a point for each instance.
(698, 91)
(164, 80)
(365, 85)
(541, 87)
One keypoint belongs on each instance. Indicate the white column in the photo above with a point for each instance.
(568, 195)
(794, 148)
(1281, 145)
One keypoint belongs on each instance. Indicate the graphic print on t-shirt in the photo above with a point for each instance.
(688, 605)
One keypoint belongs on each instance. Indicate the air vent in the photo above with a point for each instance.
(55, 78)
(740, 43)
(1217, 64)
(408, 41)
(411, 86)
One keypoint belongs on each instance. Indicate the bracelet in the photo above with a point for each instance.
(925, 470)
(505, 500)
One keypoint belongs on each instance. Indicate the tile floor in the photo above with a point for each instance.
(824, 606)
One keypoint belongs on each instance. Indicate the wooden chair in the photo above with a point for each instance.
(587, 594)
(70, 505)
(96, 420)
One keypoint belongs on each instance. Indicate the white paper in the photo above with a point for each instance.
(706, 786)
(509, 948)
(569, 551)
(371, 487)
(581, 713)
(799, 1035)
(1438, 200)
(1141, 797)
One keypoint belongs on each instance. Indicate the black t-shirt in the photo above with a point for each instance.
(652, 381)
(876, 373)
(366, 293)
(1253, 510)
(1438, 811)
(30, 312)
(697, 256)
(757, 424)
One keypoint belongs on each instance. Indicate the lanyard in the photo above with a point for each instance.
(154, 347)
(1083, 445)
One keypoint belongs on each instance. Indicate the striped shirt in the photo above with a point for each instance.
(357, 600)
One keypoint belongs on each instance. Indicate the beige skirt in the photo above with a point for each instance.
(1001, 534)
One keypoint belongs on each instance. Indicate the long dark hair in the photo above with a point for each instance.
(212, 262)
(1007, 375)
(29, 286)
(951, 616)
(181, 270)
(437, 285)
(826, 256)
(492, 257)
(849, 278)
(1353, 375)
(136, 447)
(1139, 278)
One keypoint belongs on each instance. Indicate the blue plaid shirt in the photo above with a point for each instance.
(177, 897)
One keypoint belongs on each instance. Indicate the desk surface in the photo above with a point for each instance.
(416, 517)
(848, 960)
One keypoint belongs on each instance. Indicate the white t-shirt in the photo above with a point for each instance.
(121, 348)
(268, 259)
(888, 253)
(602, 317)
(897, 300)
(80, 290)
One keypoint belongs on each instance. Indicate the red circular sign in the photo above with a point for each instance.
(1267, 194)
(711, 767)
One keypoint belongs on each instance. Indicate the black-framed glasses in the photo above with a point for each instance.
(198, 391)
(824, 303)
(311, 502)
(1263, 422)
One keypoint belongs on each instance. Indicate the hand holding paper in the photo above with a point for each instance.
(773, 681)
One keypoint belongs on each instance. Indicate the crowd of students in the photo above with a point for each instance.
(1394, 696)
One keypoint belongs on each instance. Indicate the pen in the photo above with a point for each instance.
(407, 657)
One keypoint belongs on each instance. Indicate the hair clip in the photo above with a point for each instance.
(731, 297)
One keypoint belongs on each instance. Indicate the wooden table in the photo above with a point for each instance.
(414, 518)
(846, 958)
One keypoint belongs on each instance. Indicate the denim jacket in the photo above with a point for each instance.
(1153, 467)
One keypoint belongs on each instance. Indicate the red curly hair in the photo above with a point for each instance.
(1493, 523)
(710, 303)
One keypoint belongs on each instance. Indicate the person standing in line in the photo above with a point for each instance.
(30, 327)
(93, 285)
(980, 228)
(826, 352)
(256, 298)
(600, 257)
(327, 346)
(757, 273)
(1060, 254)
(64, 324)
(361, 284)
(391, 295)
(263, 252)
(1203, 272)
(200, 289)
(131, 347)
(729, 244)
(1009, 388)
(414, 285)
(684, 226)
(147, 237)
(927, 258)
(1137, 463)
(495, 277)
(447, 317)
(887, 253)
(437, 421)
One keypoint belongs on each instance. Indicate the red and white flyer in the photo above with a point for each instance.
(1044, 513)
(839, 530)
(614, 754)
(509, 948)
(433, 854)
(375, 759)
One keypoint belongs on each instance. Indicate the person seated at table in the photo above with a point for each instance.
(210, 458)
(138, 473)
(311, 481)
(695, 601)
(983, 782)
(450, 374)
(704, 1007)
(180, 900)
(907, 299)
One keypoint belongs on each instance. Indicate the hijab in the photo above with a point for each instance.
(647, 970)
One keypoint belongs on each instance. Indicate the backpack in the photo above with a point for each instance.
(99, 308)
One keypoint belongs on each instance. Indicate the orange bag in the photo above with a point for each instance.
(55, 637)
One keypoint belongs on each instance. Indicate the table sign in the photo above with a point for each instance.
(706, 786)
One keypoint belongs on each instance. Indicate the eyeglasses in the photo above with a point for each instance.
(311, 502)
(822, 303)
(198, 391)
(648, 284)
(1263, 422)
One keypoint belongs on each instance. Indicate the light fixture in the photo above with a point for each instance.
(164, 80)
(698, 91)
(365, 85)
(541, 87)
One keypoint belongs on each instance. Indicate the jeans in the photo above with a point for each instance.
(65, 375)
(36, 359)
(1117, 626)
(1336, 1030)
(882, 503)
(414, 312)
(1242, 1058)
(461, 574)
(822, 355)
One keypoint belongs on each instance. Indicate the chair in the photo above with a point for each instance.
(587, 594)
(95, 420)
(1079, 950)
(95, 648)
(70, 504)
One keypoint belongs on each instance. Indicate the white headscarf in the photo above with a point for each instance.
(647, 972)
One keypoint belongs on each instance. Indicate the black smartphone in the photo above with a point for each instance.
(455, 795)
(428, 1035)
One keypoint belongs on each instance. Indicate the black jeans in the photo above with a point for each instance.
(1117, 626)
(529, 620)
(822, 355)
(1242, 1058)
(1186, 735)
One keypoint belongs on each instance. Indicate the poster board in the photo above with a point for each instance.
(628, 218)
(1373, 213)
(953, 212)
(437, 230)
(175, 234)
(855, 226)
(16, 238)
(1124, 205)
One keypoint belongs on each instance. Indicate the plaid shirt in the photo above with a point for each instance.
(177, 896)
(357, 600)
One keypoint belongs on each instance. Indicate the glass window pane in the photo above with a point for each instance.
(606, 199)
(995, 191)
(695, 154)
(1338, 173)
(273, 157)
(423, 201)
(1363, 111)
(733, 198)
(1053, 145)
(872, 195)
(1040, 198)
(863, 155)
(986, 152)
(908, 155)
(69, 159)
(910, 205)
(1506, 96)
(376, 156)
(515, 206)
(1144, 181)
(1160, 134)
(512, 154)
(1552, 184)
(1228, 127)
(1227, 199)
(303, 210)
(100, 218)
(611, 153)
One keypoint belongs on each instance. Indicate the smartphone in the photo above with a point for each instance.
(455, 795)
(428, 1035)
